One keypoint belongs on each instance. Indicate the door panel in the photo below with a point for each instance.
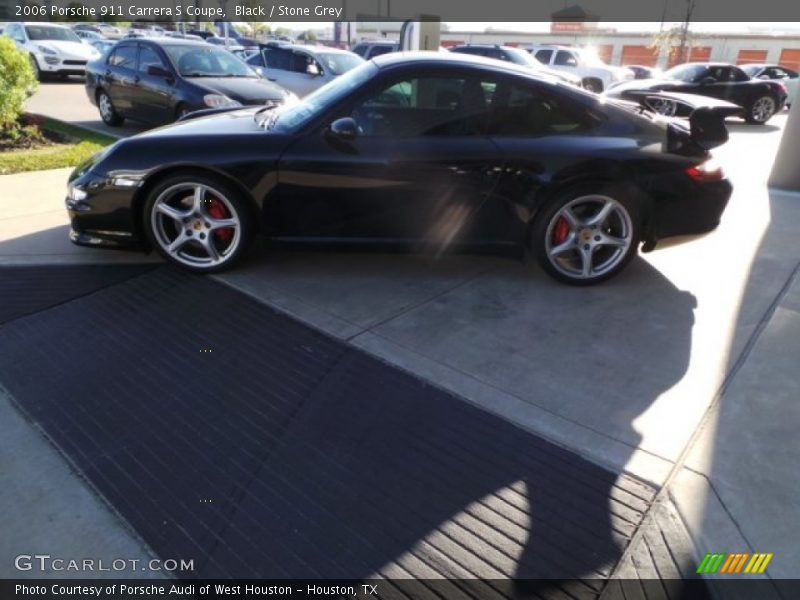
(152, 96)
(420, 168)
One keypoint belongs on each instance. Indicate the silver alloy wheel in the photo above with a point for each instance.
(763, 109)
(185, 229)
(665, 107)
(106, 108)
(597, 233)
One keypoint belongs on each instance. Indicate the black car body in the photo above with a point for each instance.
(760, 100)
(446, 149)
(159, 80)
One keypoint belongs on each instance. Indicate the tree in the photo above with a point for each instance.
(677, 41)
(18, 81)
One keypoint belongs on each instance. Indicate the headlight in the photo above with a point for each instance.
(219, 101)
(75, 194)
(46, 50)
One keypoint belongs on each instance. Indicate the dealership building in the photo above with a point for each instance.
(625, 48)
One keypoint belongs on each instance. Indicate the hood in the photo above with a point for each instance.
(646, 84)
(235, 122)
(247, 90)
(78, 49)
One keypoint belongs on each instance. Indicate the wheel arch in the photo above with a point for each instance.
(155, 177)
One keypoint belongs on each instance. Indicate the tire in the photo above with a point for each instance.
(181, 111)
(575, 243)
(761, 110)
(182, 220)
(107, 111)
(37, 71)
(593, 85)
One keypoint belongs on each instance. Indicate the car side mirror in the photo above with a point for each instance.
(313, 69)
(344, 129)
(707, 81)
(156, 71)
(763, 77)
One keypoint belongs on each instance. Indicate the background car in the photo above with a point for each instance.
(369, 49)
(759, 99)
(302, 69)
(442, 147)
(644, 72)
(103, 45)
(158, 80)
(516, 56)
(87, 27)
(595, 74)
(88, 36)
(769, 72)
(53, 49)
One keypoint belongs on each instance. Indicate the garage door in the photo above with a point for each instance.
(747, 57)
(790, 57)
(639, 55)
(604, 52)
(695, 54)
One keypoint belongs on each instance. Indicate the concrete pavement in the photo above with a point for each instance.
(67, 101)
(680, 371)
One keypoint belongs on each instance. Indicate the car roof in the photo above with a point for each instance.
(309, 49)
(48, 23)
(457, 59)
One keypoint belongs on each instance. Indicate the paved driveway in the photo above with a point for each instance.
(67, 101)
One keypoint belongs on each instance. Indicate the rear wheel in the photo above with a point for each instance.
(587, 235)
(107, 111)
(761, 110)
(198, 223)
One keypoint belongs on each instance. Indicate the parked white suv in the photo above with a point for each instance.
(52, 48)
(596, 75)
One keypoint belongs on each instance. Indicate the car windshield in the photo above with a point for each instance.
(751, 70)
(339, 63)
(46, 32)
(521, 57)
(295, 115)
(206, 61)
(687, 73)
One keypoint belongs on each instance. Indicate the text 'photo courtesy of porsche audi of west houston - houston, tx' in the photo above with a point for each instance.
(436, 150)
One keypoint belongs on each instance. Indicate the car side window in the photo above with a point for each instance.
(441, 105)
(737, 74)
(565, 59)
(378, 50)
(299, 62)
(529, 111)
(278, 58)
(544, 56)
(123, 56)
(360, 49)
(257, 60)
(149, 58)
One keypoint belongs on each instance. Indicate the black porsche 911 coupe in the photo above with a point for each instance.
(444, 149)
(759, 100)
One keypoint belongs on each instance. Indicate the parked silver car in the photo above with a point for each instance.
(302, 69)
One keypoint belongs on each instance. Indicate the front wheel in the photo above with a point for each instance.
(586, 236)
(197, 223)
(761, 110)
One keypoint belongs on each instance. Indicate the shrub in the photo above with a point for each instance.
(17, 82)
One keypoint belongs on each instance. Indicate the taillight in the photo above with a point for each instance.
(705, 172)
(779, 87)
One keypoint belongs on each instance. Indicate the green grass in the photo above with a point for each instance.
(81, 145)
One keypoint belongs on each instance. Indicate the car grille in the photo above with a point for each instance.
(75, 63)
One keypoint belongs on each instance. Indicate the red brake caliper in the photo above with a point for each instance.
(217, 210)
(560, 231)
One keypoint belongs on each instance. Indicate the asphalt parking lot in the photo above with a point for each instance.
(622, 375)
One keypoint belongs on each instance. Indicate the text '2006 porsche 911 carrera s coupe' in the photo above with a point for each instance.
(445, 150)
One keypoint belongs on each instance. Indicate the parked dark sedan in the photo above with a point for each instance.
(758, 99)
(446, 148)
(160, 80)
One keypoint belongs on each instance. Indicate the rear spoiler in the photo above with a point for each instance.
(706, 119)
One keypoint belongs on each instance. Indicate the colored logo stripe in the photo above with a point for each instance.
(734, 562)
